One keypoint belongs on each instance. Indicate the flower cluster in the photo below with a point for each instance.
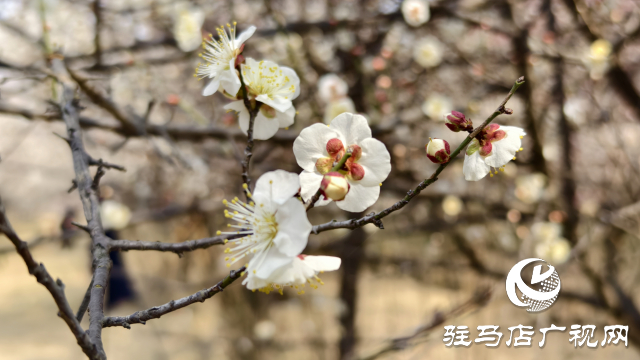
(267, 83)
(493, 147)
(275, 230)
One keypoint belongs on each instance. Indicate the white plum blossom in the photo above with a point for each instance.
(304, 269)
(220, 58)
(187, 28)
(497, 146)
(436, 106)
(337, 107)
(275, 87)
(416, 12)
(331, 87)
(320, 147)
(274, 224)
(428, 52)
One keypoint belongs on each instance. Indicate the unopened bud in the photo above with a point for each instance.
(438, 151)
(456, 122)
(334, 186)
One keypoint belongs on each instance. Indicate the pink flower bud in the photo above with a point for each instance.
(334, 186)
(438, 151)
(456, 122)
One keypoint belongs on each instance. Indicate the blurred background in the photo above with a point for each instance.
(572, 197)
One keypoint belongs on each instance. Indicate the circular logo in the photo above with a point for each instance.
(542, 291)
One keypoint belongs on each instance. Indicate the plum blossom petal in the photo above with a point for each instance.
(309, 184)
(474, 167)
(302, 270)
(359, 198)
(376, 162)
(311, 145)
(351, 128)
(287, 185)
(505, 149)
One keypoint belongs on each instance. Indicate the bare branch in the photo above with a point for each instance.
(178, 248)
(248, 151)
(56, 288)
(141, 317)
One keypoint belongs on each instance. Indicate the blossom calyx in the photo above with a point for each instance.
(438, 151)
(334, 186)
(456, 122)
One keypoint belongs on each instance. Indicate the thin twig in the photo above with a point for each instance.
(85, 303)
(141, 317)
(248, 151)
(178, 248)
(56, 288)
(376, 218)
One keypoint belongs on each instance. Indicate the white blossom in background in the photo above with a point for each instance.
(114, 215)
(549, 243)
(428, 52)
(597, 59)
(416, 12)
(577, 109)
(319, 146)
(304, 269)
(187, 28)
(331, 87)
(275, 87)
(274, 225)
(498, 146)
(220, 60)
(332, 90)
(530, 187)
(337, 107)
(436, 106)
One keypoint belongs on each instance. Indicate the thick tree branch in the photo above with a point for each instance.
(141, 317)
(376, 218)
(56, 288)
(91, 206)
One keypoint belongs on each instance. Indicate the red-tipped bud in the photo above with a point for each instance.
(334, 146)
(456, 122)
(438, 151)
(334, 186)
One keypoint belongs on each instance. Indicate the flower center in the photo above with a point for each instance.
(483, 141)
(351, 169)
(267, 80)
(259, 226)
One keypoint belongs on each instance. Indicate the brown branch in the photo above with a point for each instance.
(178, 248)
(55, 287)
(248, 151)
(129, 125)
(376, 218)
(141, 317)
(91, 206)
